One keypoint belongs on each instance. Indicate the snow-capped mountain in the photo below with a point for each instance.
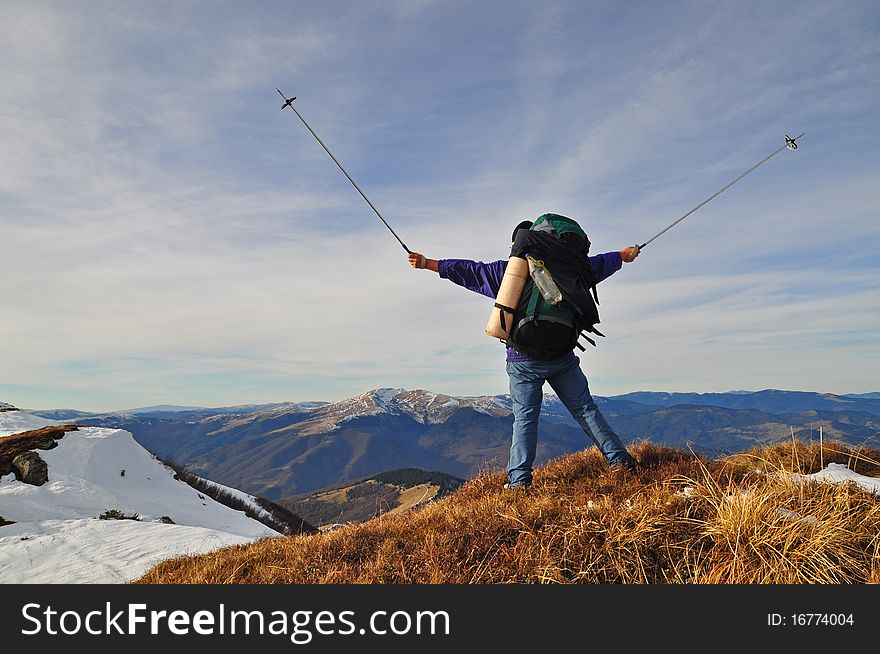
(424, 407)
(52, 533)
(6, 407)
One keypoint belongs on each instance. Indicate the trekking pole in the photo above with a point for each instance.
(789, 143)
(288, 102)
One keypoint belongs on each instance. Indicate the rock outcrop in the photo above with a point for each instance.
(17, 454)
(31, 469)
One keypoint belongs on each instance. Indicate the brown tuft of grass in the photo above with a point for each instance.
(679, 519)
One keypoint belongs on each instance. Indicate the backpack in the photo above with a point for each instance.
(545, 331)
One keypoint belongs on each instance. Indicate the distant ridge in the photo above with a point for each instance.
(296, 448)
(864, 396)
(769, 400)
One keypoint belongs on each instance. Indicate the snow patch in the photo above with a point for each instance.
(92, 551)
(250, 500)
(383, 397)
(837, 473)
(797, 517)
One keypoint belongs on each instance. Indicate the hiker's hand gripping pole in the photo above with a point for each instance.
(288, 102)
(790, 143)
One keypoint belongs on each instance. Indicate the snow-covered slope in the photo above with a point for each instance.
(12, 422)
(57, 536)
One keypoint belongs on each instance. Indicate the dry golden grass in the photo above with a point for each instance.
(679, 519)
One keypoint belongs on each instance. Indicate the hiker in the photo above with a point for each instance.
(527, 375)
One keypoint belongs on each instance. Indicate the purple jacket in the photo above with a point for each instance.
(485, 278)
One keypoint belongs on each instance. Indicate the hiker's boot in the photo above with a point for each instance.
(628, 464)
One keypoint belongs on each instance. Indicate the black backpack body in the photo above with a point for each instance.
(546, 331)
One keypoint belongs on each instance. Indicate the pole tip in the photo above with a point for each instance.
(790, 143)
(288, 102)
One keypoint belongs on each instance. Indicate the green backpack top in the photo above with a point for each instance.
(559, 225)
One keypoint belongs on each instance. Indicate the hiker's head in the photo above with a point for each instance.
(526, 224)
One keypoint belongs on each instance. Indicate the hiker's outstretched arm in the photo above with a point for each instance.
(476, 276)
(605, 265)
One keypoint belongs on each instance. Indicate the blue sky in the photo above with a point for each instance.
(169, 235)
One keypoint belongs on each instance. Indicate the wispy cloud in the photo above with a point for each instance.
(169, 234)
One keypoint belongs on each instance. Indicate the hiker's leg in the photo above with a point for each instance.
(570, 384)
(526, 392)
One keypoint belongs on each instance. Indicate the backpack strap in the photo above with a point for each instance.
(592, 329)
(503, 309)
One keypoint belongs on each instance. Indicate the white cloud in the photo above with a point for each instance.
(166, 229)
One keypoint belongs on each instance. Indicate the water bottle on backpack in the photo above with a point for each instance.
(544, 281)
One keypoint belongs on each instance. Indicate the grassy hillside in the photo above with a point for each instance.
(392, 491)
(680, 519)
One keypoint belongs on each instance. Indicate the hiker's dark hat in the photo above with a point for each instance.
(526, 224)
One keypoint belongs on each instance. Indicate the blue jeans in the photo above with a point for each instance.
(526, 392)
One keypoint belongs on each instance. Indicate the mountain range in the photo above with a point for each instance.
(284, 450)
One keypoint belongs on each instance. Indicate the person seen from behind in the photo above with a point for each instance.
(527, 375)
